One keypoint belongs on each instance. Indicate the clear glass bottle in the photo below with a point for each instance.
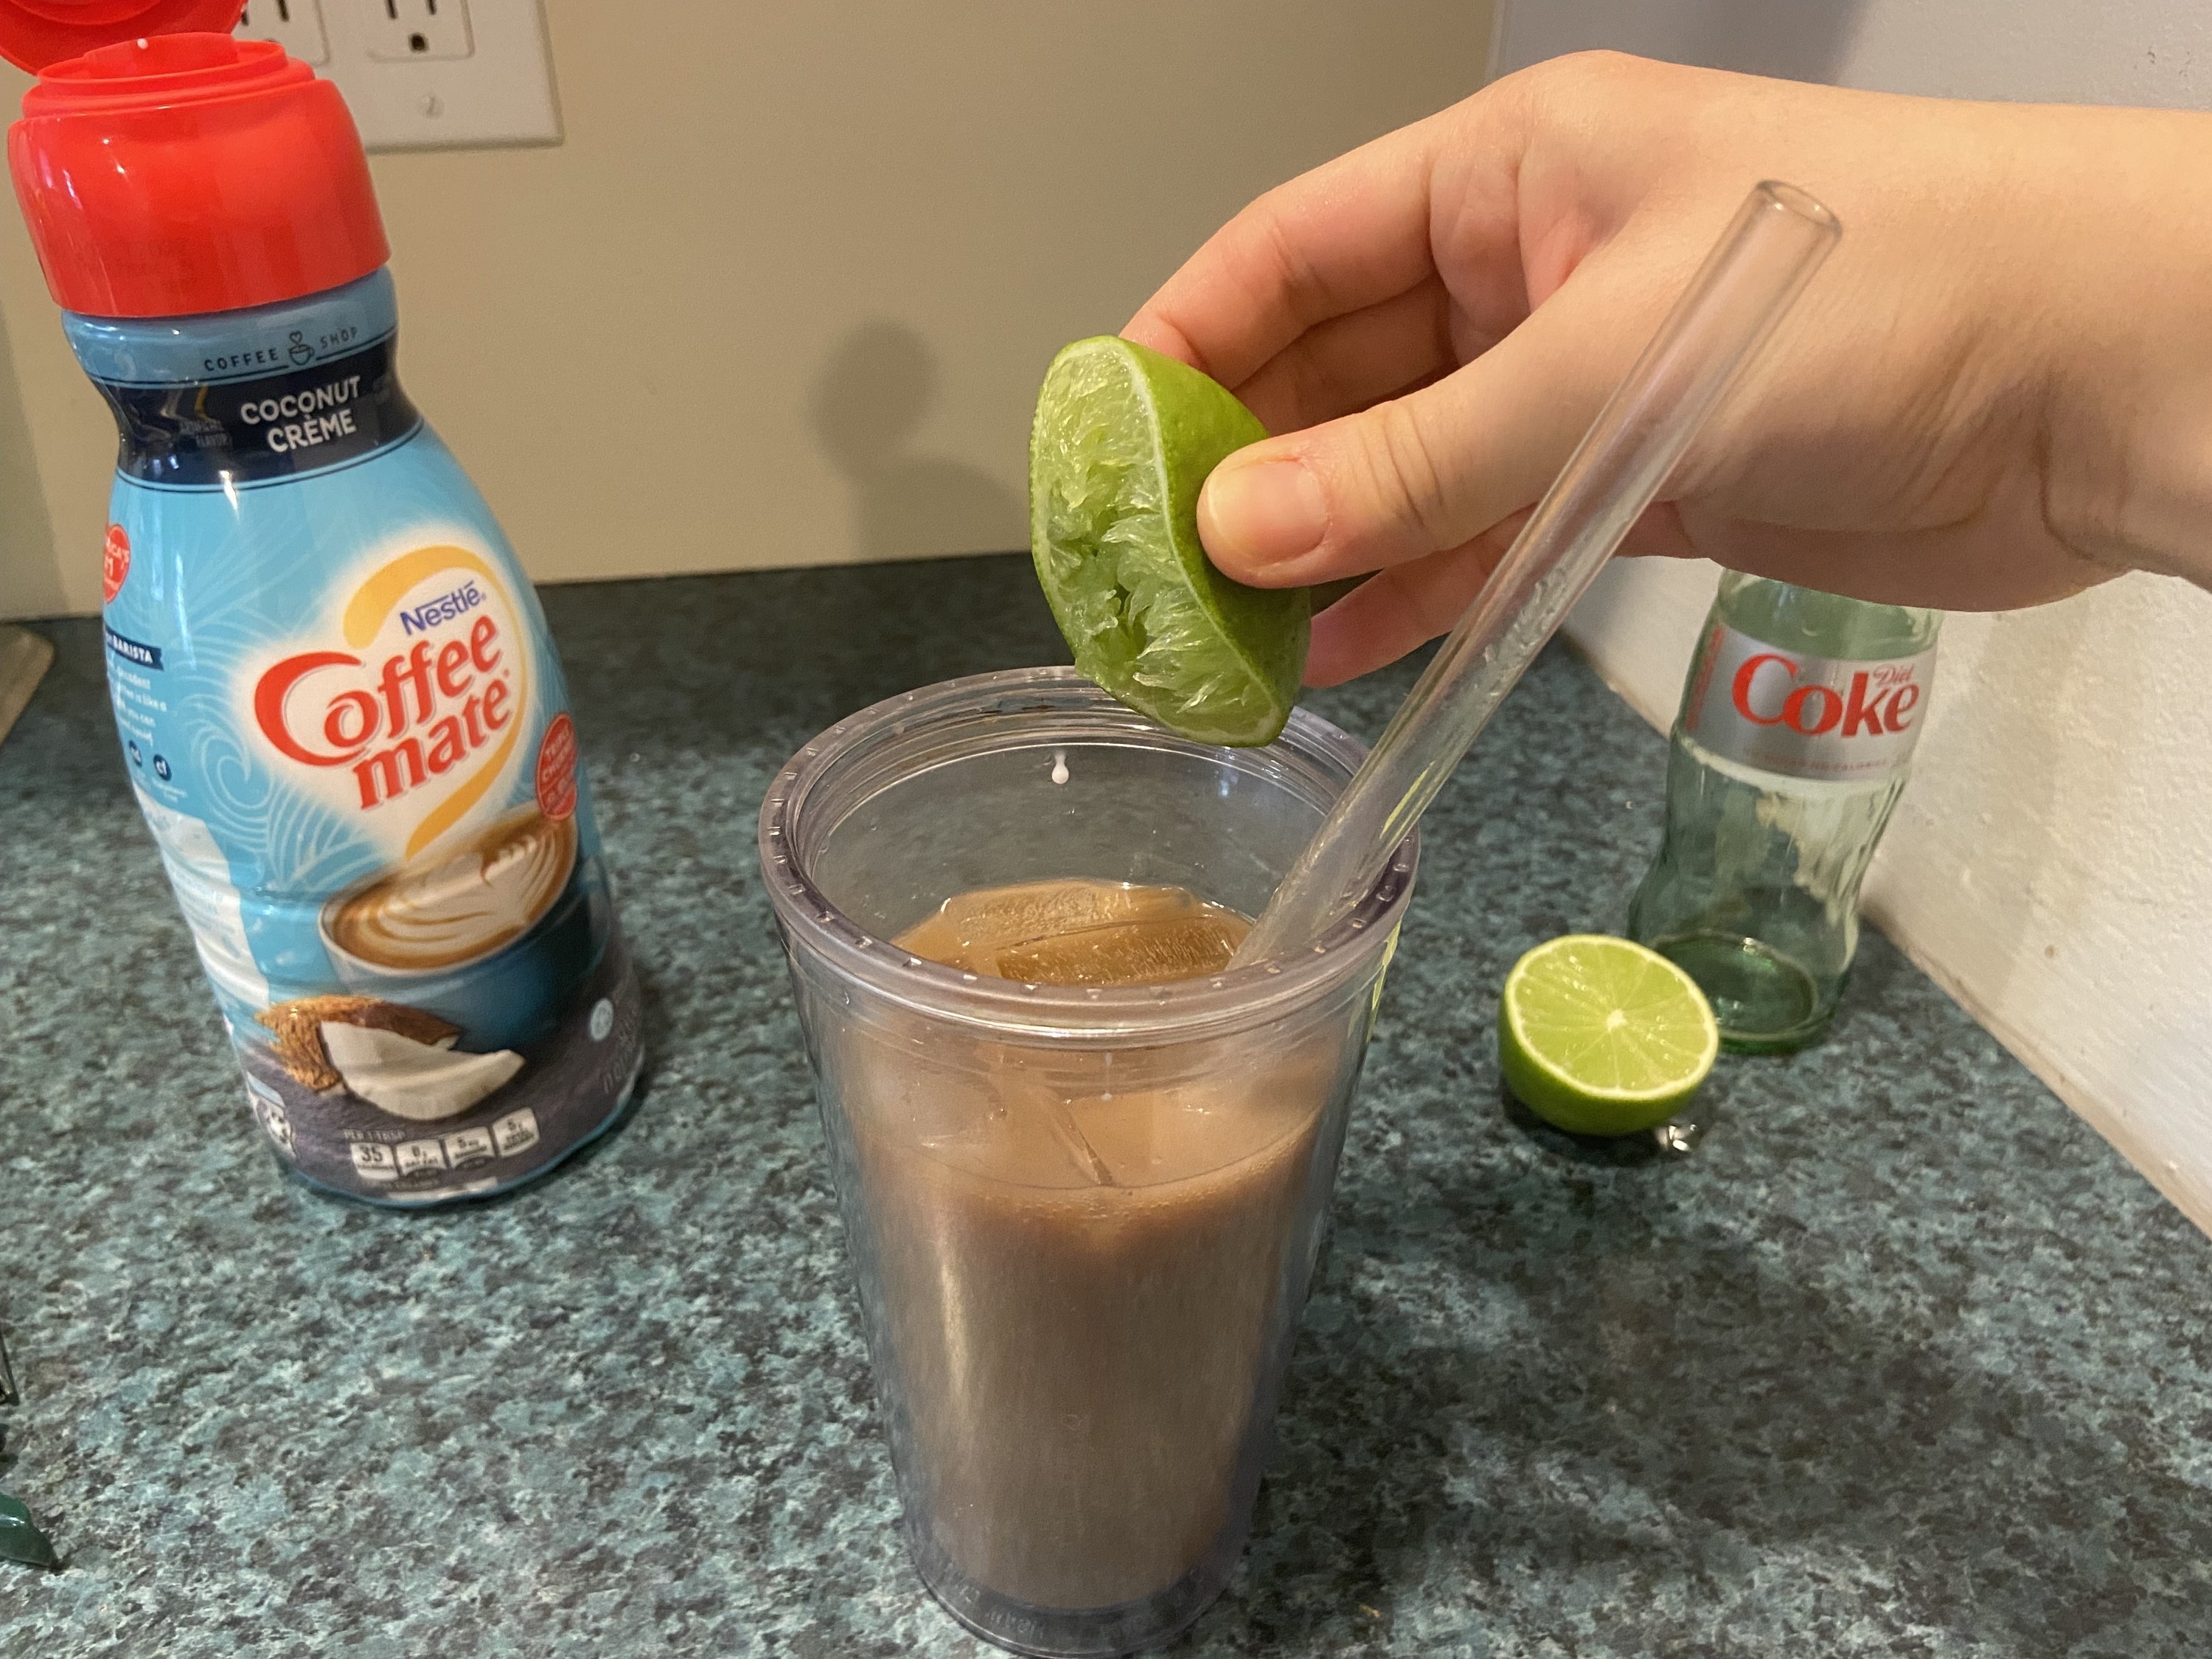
(1796, 730)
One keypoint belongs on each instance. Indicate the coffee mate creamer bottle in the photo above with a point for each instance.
(337, 698)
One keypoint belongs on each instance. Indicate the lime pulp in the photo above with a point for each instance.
(1601, 1037)
(1123, 442)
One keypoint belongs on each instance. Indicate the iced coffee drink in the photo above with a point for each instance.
(1083, 1164)
(1095, 1242)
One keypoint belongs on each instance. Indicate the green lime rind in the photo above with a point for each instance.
(1601, 1037)
(1123, 442)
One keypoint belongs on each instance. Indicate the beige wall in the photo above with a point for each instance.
(784, 295)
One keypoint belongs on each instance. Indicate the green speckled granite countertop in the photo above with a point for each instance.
(1905, 1361)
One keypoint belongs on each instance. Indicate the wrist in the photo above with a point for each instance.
(2127, 430)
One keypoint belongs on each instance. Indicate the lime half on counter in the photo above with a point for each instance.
(1601, 1037)
(1123, 440)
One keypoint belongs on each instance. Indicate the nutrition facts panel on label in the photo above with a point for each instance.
(462, 1149)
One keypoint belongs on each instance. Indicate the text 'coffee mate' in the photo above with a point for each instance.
(434, 697)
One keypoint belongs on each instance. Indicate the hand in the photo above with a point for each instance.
(1997, 392)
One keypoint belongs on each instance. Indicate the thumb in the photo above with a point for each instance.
(1420, 473)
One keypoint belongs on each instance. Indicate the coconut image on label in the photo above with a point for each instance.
(398, 1059)
(301, 1029)
(414, 1081)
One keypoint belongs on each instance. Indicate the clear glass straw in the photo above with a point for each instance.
(1776, 241)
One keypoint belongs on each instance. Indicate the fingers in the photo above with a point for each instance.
(1348, 362)
(1383, 618)
(1425, 472)
(1659, 534)
(1349, 235)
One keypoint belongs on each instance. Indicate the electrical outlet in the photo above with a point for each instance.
(484, 74)
(294, 25)
(401, 31)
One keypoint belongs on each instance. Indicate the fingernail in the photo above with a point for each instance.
(1262, 513)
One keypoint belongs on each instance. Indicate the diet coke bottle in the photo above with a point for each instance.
(1797, 725)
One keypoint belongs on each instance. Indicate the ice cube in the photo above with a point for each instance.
(936, 939)
(1080, 932)
(1206, 1110)
(1150, 953)
(996, 917)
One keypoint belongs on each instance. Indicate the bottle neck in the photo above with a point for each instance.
(1826, 624)
(235, 398)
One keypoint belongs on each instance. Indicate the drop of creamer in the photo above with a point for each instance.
(1060, 766)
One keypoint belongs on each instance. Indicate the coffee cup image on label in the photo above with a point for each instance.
(455, 904)
(431, 930)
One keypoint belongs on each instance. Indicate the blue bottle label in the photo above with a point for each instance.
(349, 731)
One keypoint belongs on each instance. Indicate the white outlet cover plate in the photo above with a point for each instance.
(501, 94)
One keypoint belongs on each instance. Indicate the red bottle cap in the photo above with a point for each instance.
(179, 172)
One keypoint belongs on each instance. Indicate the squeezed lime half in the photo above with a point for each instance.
(1123, 440)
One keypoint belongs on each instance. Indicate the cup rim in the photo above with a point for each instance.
(1242, 998)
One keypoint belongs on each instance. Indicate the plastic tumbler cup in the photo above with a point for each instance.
(1083, 1220)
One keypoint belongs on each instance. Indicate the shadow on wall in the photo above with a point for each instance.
(1803, 40)
(869, 403)
(30, 571)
